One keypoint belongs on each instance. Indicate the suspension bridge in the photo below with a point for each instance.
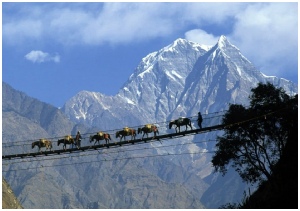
(213, 123)
(115, 144)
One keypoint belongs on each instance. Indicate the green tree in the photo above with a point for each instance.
(255, 137)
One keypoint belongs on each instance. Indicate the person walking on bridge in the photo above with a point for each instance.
(199, 120)
(78, 139)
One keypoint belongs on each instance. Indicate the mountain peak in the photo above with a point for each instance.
(180, 41)
(223, 42)
(185, 42)
(229, 50)
(223, 37)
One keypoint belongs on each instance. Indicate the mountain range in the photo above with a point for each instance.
(178, 80)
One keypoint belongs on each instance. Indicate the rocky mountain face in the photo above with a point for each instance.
(178, 80)
(151, 92)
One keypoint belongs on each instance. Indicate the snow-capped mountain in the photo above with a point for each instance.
(151, 92)
(159, 79)
(222, 76)
(178, 80)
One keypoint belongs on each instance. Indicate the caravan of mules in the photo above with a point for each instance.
(148, 128)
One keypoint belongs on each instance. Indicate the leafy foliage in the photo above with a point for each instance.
(256, 136)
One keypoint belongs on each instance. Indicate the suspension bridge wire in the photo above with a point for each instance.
(113, 159)
(90, 147)
(111, 131)
(108, 152)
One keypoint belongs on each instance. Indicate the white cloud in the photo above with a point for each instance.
(112, 23)
(128, 22)
(40, 56)
(207, 13)
(202, 37)
(115, 23)
(266, 33)
(24, 29)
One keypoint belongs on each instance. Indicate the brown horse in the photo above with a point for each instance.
(149, 128)
(180, 122)
(66, 140)
(126, 132)
(100, 136)
(42, 143)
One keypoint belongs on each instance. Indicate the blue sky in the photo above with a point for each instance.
(51, 51)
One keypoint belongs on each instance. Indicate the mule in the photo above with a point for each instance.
(67, 140)
(148, 129)
(42, 143)
(100, 136)
(126, 132)
(181, 122)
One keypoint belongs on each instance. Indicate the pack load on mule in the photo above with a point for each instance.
(68, 137)
(100, 133)
(180, 120)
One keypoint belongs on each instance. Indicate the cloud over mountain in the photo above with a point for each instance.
(268, 25)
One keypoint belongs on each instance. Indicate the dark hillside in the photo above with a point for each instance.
(285, 193)
(282, 191)
(9, 200)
